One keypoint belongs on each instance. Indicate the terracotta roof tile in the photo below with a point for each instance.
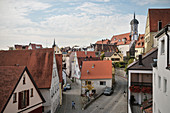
(101, 70)
(39, 63)
(116, 38)
(89, 53)
(59, 65)
(104, 41)
(158, 14)
(81, 59)
(9, 76)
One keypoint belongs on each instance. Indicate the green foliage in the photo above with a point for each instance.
(120, 64)
(129, 62)
(102, 56)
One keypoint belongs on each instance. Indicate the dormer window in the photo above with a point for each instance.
(93, 65)
(138, 44)
(119, 40)
(87, 71)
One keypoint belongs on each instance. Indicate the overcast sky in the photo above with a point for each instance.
(70, 22)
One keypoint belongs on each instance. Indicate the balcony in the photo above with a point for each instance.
(147, 84)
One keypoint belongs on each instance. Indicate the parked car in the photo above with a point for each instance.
(68, 86)
(108, 91)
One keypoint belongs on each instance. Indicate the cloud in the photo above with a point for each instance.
(79, 28)
(146, 2)
(14, 12)
(96, 9)
(102, 0)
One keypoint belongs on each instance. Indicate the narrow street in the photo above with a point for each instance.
(116, 103)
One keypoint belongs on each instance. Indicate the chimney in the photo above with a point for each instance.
(102, 44)
(140, 60)
(85, 52)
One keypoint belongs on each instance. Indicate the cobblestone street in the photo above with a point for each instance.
(116, 103)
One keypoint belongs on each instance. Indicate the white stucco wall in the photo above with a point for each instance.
(123, 49)
(161, 98)
(54, 89)
(76, 73)
(67, 60)
(96, 84)
(13, 107)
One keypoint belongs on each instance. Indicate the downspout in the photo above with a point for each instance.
(166, 29)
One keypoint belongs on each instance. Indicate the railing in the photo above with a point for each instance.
(141, 84)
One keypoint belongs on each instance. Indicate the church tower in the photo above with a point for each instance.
(134, 28)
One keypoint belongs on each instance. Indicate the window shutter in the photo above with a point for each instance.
(19, 100)
(27, 97)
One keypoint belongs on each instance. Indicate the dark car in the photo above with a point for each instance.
(108, 91)
(68, 86)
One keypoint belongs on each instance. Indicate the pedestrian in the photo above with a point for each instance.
(73, 105)
(124, 93)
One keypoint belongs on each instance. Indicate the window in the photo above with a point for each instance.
(87, 82)
(165, 85)
(114, 39)
(162, 47)
(102, 82)
(14, 97)
(24, 79)
(23, 99)
(31, 92)
(119, 40)
(159, 25)
(159, 82)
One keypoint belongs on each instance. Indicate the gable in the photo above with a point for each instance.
(39, 63)
(29, 84)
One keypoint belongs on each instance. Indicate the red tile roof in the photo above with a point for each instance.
(81, 59)
(116, 38)
(104, 41)
(141, 42)
(39, 63)
(101, 70)
(59, 65)
(89, 53)
(158, 14)
(9, 76)
(36, 46)
(20, 47)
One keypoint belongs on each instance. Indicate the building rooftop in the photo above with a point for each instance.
(39, 63)
(96, 70)
(156, 15)
(147, 60)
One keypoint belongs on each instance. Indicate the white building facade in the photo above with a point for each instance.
(161, 73)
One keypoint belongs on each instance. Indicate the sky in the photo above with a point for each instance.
(69, 22)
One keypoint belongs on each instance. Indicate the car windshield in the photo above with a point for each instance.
(68, 84)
